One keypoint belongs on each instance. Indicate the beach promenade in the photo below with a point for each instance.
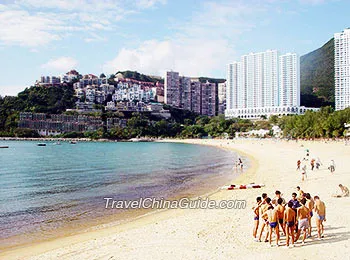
(225, 233)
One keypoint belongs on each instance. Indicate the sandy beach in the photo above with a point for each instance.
(224, 233)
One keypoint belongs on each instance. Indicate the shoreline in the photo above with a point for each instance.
(224, 233)
(115, 221)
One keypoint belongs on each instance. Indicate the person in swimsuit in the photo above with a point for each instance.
(289, 219)
(344, 191)
(320, 210)
(280, 212)
(296, 205)
(272, 217)
(303, 220)
(263, 208)
(310, 205)
(256, 216)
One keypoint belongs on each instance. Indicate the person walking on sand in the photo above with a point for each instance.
(298, 165)
(303, 173)
(289, 220)
(318, 163)
(241, 163)
(272, 216)
(312, 163)
(303, 220)
(256, 210)
(320, 210)
(332, 166)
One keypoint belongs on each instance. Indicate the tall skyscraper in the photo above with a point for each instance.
(289, 80)
(190, 94)
(221, 98)
(185, 93)
(235, 97)
(172, 89)
(209, 94)
(196, 97)
(262, 84)
(342, 69)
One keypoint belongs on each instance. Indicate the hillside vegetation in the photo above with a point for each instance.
(317, 76)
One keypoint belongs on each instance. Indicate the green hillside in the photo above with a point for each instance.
(211, 80)
(317, 76)
(138, 76)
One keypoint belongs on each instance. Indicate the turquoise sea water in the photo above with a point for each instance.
(46, 188)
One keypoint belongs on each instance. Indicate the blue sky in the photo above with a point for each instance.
(196, 38)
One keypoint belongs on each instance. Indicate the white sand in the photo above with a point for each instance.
(219, 234)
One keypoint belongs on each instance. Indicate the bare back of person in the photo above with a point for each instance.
(303, 212)
(289, 219)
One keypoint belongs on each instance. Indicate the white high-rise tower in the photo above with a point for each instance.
(342, 69)
(262, 84)
(289, 80)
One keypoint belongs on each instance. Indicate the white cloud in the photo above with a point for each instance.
(21, 28)
(200, 46)
(11, 90)
(312, 2)
(93, 37)
(192, 57)
(149, 3)
(60, 65)
(34, 23)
